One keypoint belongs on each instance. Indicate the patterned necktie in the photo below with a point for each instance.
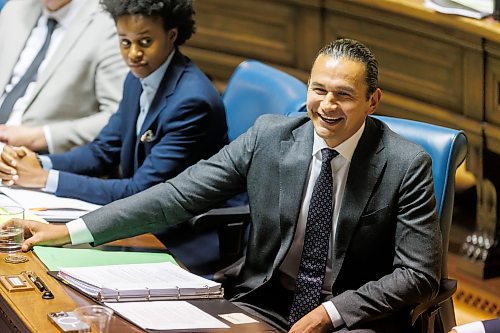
(316, 242)
(20, 88)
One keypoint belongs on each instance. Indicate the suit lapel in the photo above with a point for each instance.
(293, 170)
(367, 163)
(21, 29)
(83, 19)
(131, 104)
(165, 90)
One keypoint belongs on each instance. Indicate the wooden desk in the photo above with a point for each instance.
(27, 311)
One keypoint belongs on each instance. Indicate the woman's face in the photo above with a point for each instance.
(144, 43)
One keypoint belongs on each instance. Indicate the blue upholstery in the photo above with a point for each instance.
(2, 2)
(447, 148)
(254, 89)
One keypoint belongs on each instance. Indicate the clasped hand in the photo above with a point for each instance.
(20, 166)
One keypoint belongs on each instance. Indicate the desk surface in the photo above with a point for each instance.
(27, 312)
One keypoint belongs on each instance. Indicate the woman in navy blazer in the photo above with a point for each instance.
(169, 118)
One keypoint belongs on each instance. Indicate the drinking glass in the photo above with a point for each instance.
(11, 231)
(96, 316)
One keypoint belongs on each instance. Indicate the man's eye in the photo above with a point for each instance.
(125, 43)
(343, 94)
(319, 91)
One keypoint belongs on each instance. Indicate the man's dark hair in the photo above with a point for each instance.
(356, 51)
(175, 13)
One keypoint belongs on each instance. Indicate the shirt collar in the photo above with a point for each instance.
(153, 80)
(65, 15)
(346, 148)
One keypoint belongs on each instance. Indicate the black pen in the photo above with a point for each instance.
(47, 294)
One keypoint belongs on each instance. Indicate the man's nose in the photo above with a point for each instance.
(329, 103)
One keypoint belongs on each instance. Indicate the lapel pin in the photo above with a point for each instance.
(148, 136)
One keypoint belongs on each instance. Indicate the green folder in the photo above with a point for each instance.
(56, 257)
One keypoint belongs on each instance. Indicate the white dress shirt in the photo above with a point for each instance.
(64, 17)
(474, 327)
(340, 168)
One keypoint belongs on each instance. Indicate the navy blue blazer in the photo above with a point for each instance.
(187, 122)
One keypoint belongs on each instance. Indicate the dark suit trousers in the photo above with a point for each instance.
(270, 303)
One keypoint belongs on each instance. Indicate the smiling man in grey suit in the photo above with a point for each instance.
(382, 248)
(77, 85)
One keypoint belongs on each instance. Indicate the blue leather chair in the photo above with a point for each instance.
(447, 148)
(213, 240)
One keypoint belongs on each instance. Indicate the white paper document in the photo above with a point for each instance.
(474, 9)
(166, 315)
(140, 282)
(48, 205)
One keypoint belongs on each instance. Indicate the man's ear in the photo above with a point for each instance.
(375, 100)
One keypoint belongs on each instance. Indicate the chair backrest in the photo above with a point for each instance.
(255, 89)
(447, 148)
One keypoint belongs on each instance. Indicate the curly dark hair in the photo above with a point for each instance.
(175, 13)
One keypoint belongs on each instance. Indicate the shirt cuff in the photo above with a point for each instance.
(334, 314)
(46, 162)
(474, 327)
(52, 182)
(48, 138)
(78, 232)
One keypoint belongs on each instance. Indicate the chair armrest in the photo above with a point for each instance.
(447, 288)
(230, 224)
(220, 217)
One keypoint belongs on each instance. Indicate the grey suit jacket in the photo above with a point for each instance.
(81, 86)
(388, 243)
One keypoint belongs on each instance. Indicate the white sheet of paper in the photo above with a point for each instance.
(166, 315)
(34, 199)
(238, 318)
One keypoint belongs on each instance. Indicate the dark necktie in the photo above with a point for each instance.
(316, 242)
(19, 89)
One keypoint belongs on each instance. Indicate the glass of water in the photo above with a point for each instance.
(11, 231)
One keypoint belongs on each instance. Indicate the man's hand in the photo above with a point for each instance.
(31, 137)
(315, 321)
(20, 166)
(453, 331)
(37, 233)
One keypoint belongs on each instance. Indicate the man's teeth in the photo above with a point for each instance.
(329, 120)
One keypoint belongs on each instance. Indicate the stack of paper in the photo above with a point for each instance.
(168, 315)
(470, 8)
(140, 282)
(49, 206)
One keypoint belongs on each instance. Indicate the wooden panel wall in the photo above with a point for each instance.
(286, 34)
